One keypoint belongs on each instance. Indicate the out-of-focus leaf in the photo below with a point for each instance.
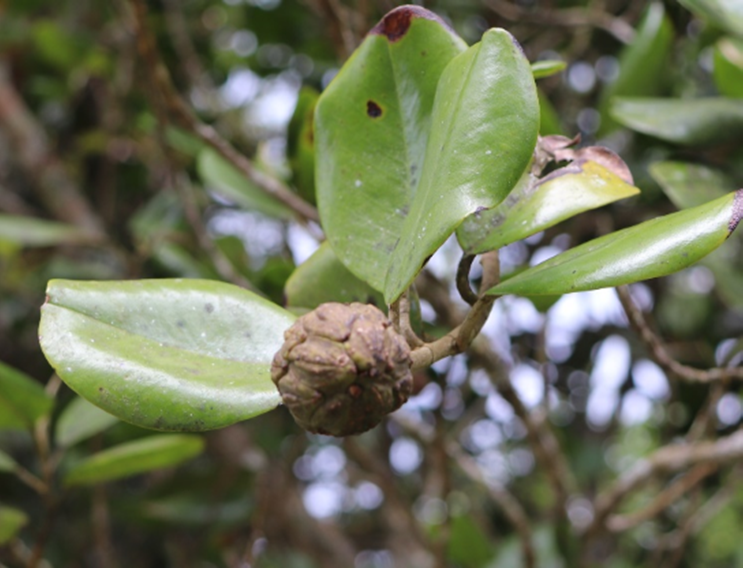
(56, 45)
(728, 67)
(6, 462)
(131, 458)
(183, 141)
(468, 545)
(194, 510)
(33, 232)
(22, 400)
(12, 520)
(484, 128)
(547, 68)
(217, 174)
(549, 120)
(688, 185)
(537, 204)
(323, 278)
(689, 122)
(185, 355)
(651, 249)
(642, 63)
(79, 421)
(371, 128)
(727, 14)
(300, 143)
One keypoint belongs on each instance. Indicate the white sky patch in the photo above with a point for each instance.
(729, 409)
(324, 499)
(528, 383)
(610, 369)
(428, 398)
(241, 87)
(650, 380)
(636, 408)
(405, 455)
(274, 105)
(300, 242)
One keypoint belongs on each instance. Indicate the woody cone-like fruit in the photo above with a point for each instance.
(342, 368)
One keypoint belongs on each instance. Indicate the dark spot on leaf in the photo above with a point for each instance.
(101, 389)
(396, 23)
(248, 335)
(373, 109)
(181, 324)
(480, 209)
(424, 53)
(737, 215)
(209, 308)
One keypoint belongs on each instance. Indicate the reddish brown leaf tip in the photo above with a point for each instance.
(395, 24)
(737, 215)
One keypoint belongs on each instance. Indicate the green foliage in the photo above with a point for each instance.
(22, 400)
(169, 355)
(124, 460)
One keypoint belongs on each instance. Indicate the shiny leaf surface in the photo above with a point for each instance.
(131, 458)
(547, 68)
(371, 128)
(484, 129)
(728, 67)
(727, 14)
(537, 204)
(651, 249)
(689, 122)
(185, 355)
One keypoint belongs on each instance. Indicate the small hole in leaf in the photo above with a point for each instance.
(373, 109)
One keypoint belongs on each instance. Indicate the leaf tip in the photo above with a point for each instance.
(737, 214)
(394, 25)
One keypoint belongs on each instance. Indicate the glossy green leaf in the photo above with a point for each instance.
(371, 128)
(22, 400)
(642, 63)
(12, 520)
(33, 232)
(79, 421)
(300, 144)
(688, 185)
(690, 122)
(483, 133)
(323, 278)
(176, 355)
(131, 458)
(651, 249)
(537, 204)
(727, 14)
(6, 462)
(221, 176)
(728, 67)
(547, 68)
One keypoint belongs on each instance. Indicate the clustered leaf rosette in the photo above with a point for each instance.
(342, 368)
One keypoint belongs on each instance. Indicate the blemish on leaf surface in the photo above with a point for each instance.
(373, 109)
(396, 23)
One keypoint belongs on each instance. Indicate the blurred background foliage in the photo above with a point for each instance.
(95, 184)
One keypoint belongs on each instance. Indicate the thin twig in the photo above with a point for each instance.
(463, 279)
(621, 523)
(510, 506)
(404, 324)
(667, 459)
(569, 18)
(660, 354)
(159, 76)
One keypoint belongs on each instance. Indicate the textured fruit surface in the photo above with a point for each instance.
(342, 368)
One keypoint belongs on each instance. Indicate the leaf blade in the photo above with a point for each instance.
(174, 355)
(132, 458)
(485, 125)
(651, 249)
